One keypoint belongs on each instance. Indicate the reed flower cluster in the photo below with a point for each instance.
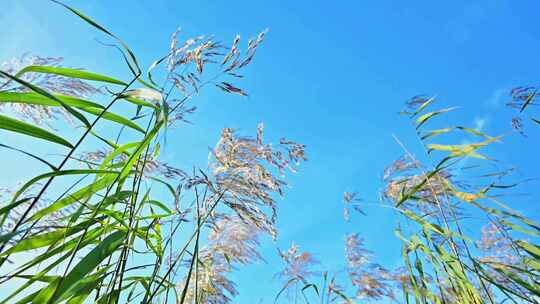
(298, 264)
(246, 171)
(244, 178)
(371, 280)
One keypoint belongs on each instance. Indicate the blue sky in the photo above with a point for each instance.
(332, 75)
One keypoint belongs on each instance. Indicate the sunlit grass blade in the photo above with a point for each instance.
(528, 101)
(47, 238)
(84, 105)
(39, 99)
(58, 173)
(72, 73)
(434, 133)
(113, 117)
(85, 267)
(44, 93)
(21, 127)
(424, 105)
(84, 194)
(420, 121)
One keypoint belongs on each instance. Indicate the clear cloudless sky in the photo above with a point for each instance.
(332, 75)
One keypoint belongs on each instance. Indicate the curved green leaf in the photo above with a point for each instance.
(87, 265)
(48, 95)
(31, 155)
(48, 238)
(85, 105)
(424, 118)
(67, 72)
(114, 117)
(58, 173)
(39, 99)
(137, 69)
(21, 127)
(84, 193)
